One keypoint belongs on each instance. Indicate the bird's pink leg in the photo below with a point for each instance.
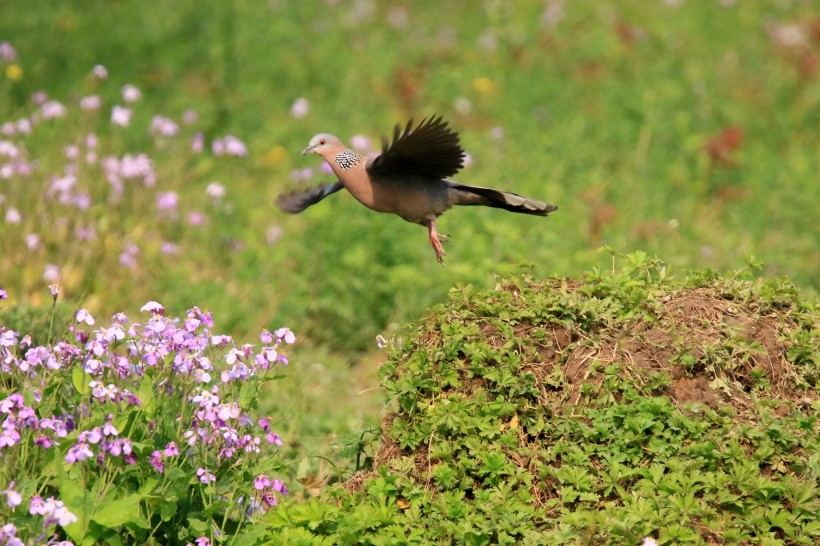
(435, 242)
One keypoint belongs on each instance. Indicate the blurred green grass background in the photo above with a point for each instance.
(685, 129)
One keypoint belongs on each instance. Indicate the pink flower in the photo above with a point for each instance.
(153, 307)
(90, 103)
(230, 145)
(52, 109)
(7, 52)
(300, 108)
(198, 143)
(13, 498)
(215, 190)
(163, 126)
(100, 72)
(156, 461)
(167, 201)
(205, 476)
(130, 93)
(121, 115)
(261, 482)
(13, 216)
(84, 316)
(189, 117)
(286, 335)
(51, 273)
(171, 449)
(360, 143)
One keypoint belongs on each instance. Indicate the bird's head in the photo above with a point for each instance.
(324, 144)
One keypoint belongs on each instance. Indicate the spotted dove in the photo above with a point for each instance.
(409, 178)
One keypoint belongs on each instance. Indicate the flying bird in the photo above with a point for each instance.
(410, 178)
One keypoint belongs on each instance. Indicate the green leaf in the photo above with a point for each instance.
(249, 534)
(118, 512)
(167, 510)
(78, 379)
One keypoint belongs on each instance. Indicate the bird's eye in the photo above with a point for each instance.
(322, 141)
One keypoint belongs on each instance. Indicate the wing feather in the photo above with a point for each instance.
(431, 149)
(297, 201)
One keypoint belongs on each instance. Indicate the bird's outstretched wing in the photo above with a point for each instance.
(431, 149)
(297, 201)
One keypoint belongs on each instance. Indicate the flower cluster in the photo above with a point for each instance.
(102, 422)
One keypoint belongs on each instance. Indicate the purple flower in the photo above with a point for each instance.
(7, 52)
(153, 307)
(37, 506)
(84, 316)
(13, 216)
(269, 500)
(3, 294)
(300, 108)
(51, 273)
(171, 449)
(205, 476)
(279, 487)
(156, 461)
(196, 218)
(284, 334)
(8, 149)
(13, 498)
(78, 452)
(198, 143)
(90, 103)
(163, 126)
(121, 115)
(128, 257)
(109, 429)
(130, 93)
(215, 190)
(167, 201)
(52, 109)
(32, 241)
(100, 72)
(189, 117)
(167, 247)
(261, 482)
(203, 541)
(230, 145)
(360, 143)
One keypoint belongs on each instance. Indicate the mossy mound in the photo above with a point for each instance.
(624, 406)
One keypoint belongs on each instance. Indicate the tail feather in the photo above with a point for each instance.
(476, 195)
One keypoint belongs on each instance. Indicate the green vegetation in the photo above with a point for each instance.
(685, 130)
(624, 406)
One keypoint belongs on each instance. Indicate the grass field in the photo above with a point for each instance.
(688, 130)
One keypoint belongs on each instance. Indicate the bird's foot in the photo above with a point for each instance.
(436, 243)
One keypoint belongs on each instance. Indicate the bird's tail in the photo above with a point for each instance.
(476, 195)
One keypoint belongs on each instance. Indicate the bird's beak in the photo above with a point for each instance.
(308, 150)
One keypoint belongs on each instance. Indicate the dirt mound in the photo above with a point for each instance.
(603, 412)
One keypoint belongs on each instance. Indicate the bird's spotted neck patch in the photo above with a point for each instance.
(347, 159)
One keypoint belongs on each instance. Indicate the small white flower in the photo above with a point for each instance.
(84, 316)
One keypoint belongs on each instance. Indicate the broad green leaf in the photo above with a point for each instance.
(79, 379)
(118, 512)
